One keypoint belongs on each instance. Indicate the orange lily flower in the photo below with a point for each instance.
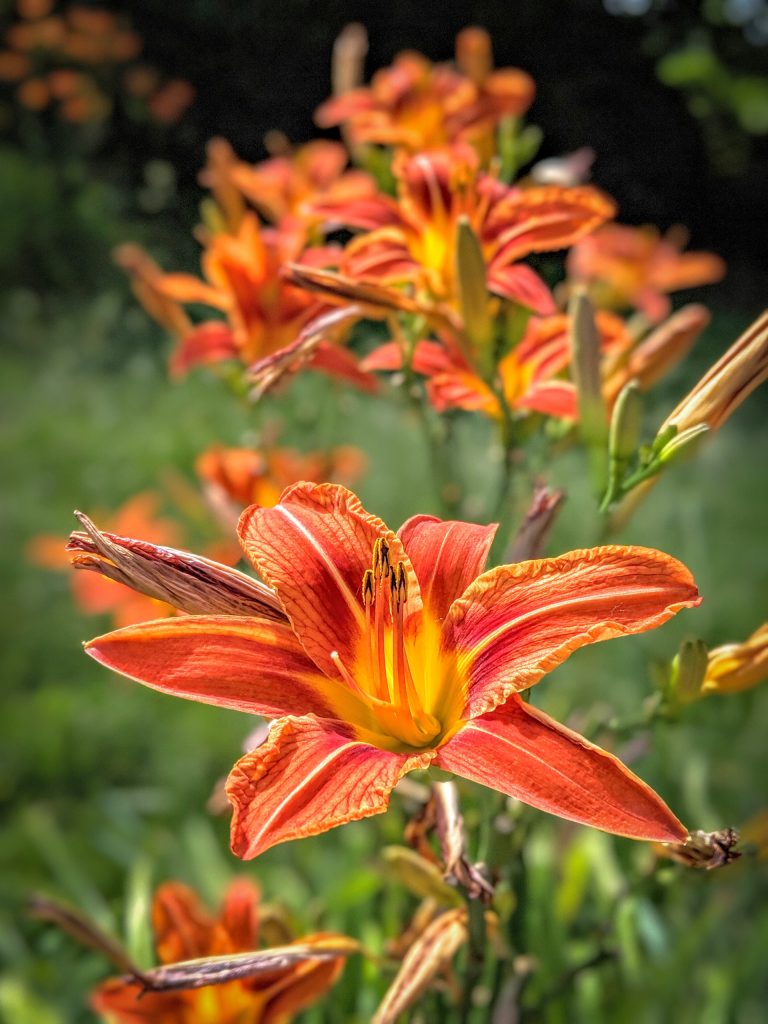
(185, 930)
(396, 651)
(237, 477)
(637, 267)
(417, 105)
(97, 595)
(284, 187)
(527, 375)
(413, 239)
(733, 668)
(243, 280)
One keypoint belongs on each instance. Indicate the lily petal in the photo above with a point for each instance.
(309, 776)
(248, 664)
(522, 752)
(181, 924)
(446, 557)
(518, 283)
(128, 1003)
(204, 345)
(516, 623)
(319, 541)
(545, 218)
(302, 987)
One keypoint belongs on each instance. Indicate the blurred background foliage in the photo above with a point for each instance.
(104, 785)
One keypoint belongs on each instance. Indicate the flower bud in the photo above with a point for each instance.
(732, 379)
(624, 432)
(736, 667)
(687, 672)
(682, 444)
(585, 368)
(473, 293)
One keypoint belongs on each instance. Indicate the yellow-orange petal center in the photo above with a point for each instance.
(400, 701)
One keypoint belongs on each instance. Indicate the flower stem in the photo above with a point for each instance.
(475, 957)
(503, 511)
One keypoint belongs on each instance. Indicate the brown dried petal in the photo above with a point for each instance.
(704, 849)
(217, 970)
(534, 530)
(450, 830)
(427, 957)
(191, 583)
(269, 371)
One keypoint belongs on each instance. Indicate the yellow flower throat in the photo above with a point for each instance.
(383, 676)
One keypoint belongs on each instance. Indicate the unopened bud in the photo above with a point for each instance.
(684, 443)
(725, 386)
(420, 876)
(585, 368)
(473, 293)
(689, 667)
(625, 423)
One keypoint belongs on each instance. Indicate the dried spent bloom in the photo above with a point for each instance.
(427, 956)
(733, 668)
(417, 105)
(637, 267)
(396, 651)
(186, 931)
(733, 378)
(97, 594)
(705, 850)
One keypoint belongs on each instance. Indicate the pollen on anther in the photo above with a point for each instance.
(368, 587)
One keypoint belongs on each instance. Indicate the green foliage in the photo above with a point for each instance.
(105, 783)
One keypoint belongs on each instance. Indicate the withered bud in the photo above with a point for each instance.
(532, 533)
(704, 849)
(188, 582)
(450, 831)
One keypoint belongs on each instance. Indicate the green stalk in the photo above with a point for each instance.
(503, 511)
(475, 957)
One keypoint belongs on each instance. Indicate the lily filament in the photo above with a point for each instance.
(388, 686)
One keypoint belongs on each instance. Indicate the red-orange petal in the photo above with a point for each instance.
(183, 927)
(208, 343)
(239, 917)
(313, 549)
(126, 1002)
(308, 777)
(306, 984)
(524, 753)
(341, 363)
(552, 398)
(188, 288)
(248, 664)
(544, 219)
(446, 556)
(520, 284)
(517, 622)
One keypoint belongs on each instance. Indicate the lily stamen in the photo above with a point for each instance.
(381, 570)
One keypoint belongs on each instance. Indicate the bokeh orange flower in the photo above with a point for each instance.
(413, 239)
(186, 930)
(417, 105)
(637, 267)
